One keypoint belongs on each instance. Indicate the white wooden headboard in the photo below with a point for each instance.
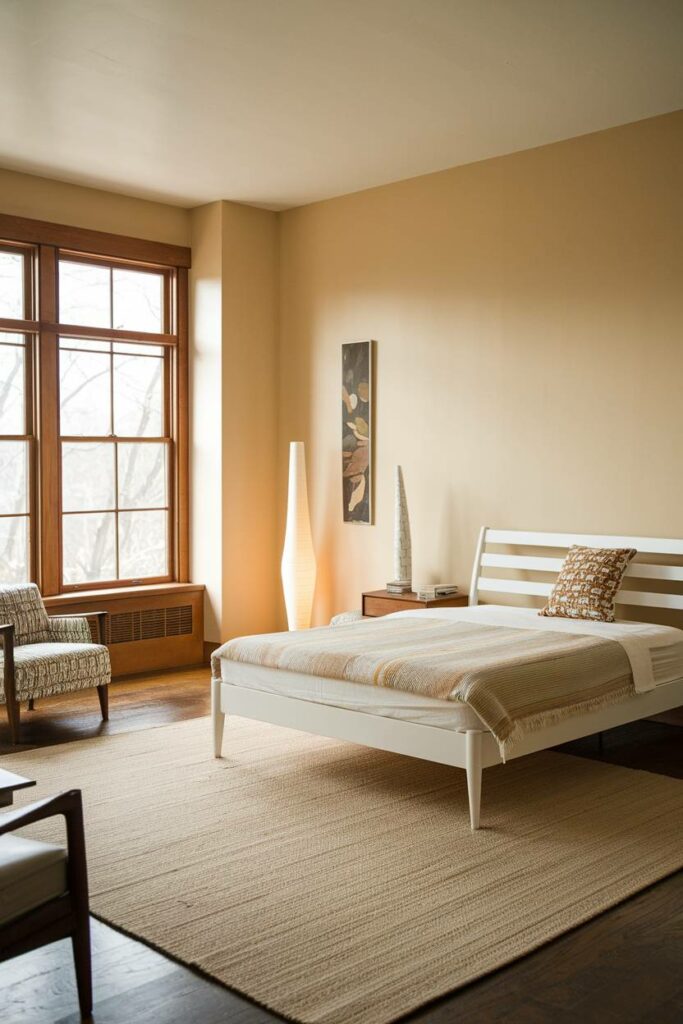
(637, 570)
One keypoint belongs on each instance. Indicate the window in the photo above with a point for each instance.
(93, 486)
(113, 427)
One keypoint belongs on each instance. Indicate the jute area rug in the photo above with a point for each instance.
(333, 883)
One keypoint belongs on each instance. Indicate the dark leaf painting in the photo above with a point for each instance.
(357, 431)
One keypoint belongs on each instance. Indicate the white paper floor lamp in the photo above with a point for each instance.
(298, 558)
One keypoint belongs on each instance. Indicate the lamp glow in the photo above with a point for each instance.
(298, 566)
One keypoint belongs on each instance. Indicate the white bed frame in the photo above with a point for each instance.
(473, 749)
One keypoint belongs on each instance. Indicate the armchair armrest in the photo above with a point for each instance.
(63, 804)
(70, 806)
(7, 637)
(7, 634)
(78, 628)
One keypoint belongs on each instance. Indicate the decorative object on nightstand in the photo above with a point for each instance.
(382, 602)
(403, 552)
(298, 558)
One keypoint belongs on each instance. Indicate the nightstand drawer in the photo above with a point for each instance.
(375, 606)
(381, 602)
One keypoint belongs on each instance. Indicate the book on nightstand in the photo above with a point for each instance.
(399, 587)
(432, 591)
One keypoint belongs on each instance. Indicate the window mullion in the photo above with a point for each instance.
(49, 461)
(112, 432)
(116, 509)
(180, 506)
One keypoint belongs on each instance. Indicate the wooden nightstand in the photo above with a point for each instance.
(381, 602)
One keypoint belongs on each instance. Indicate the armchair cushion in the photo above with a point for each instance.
(73, 629)
(46, 669)
(23, 606)
(31, 873)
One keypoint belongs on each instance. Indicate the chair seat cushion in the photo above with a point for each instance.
(31, 873)
(43, 670)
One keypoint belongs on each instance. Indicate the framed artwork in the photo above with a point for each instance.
(357, 427)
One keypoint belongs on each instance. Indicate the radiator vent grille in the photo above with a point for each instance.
(150, 624)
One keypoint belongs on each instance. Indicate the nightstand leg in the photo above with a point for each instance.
(217, 717)
(474, 769)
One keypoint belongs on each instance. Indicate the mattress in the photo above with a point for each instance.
(373, 700)
(666, 651)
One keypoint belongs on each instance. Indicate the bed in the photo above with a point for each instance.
(451, 732)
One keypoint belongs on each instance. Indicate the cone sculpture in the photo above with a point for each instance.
(403, 558)
(298, 558)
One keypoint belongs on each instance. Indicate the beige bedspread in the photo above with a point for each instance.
(516, 680)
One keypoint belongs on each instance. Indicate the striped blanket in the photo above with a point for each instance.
(517, 680)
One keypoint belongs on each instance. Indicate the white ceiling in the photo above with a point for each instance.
(282, 102)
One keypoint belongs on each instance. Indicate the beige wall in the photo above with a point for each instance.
(249, 392)
(233, 393)
(26, 195)
(527, 312)
(206, 444)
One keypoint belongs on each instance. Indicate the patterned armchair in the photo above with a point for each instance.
(43, 656)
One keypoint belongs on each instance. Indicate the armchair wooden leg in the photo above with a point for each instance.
(13, 717)
(80, 942)
(31, 704)
(103, 695)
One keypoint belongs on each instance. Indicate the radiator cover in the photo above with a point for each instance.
(149, 624)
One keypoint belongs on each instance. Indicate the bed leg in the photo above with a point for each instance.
(217, 717)
(474, 769)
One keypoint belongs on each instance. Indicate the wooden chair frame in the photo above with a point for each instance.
(68, 915)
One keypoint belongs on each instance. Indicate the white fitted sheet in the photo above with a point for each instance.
(373, 700)
(666, 651)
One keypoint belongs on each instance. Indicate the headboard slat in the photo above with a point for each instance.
(538, 589)
(536, 563)
(646, 545)
(485, 559)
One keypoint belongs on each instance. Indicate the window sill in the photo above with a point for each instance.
(92, 597)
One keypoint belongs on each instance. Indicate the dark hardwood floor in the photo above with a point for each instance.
(623, 967)
(140, 702)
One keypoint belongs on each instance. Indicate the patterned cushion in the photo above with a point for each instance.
(42, 670)
(23, 606)
(588, 582)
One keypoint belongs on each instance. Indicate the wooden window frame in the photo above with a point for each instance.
(47, 243)
(29, 434)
